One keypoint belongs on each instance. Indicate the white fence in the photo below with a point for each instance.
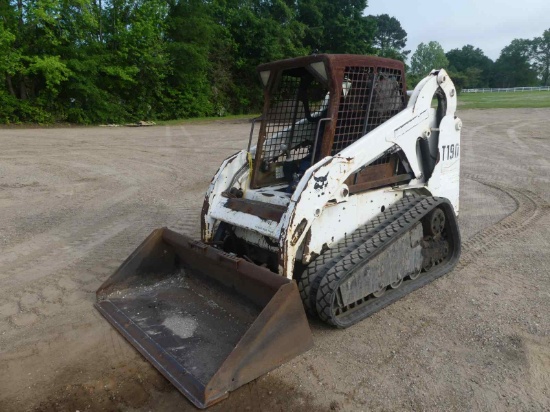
(511, 89)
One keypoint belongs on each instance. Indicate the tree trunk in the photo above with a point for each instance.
(20, 9)
(99, 8)
(10, 85)
(22, 90)
(100, 22)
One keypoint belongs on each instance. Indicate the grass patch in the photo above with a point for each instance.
(504, 100)
(206, 119)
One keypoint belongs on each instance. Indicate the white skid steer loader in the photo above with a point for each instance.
(348, 202)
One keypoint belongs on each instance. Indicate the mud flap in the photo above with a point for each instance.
(208, 321)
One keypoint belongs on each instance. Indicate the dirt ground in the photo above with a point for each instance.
(75, 202)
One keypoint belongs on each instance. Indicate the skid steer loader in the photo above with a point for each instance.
(348, 201)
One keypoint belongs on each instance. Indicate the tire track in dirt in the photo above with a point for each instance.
(530, 209)
(65, 274)
(60, 279)
(72, 283)
(187, 221)
(80, 227)
(520, 180)
(515, 139)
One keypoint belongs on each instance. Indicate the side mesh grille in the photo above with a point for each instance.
(370, 97)
(286, 123)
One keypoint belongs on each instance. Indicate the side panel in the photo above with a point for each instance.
(445, 180)
(345, 217)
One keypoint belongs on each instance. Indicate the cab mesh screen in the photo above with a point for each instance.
(296, 104)
(369, 98)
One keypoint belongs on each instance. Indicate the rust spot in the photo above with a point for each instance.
(270, 242)
(298, 232)
(204, 212)
(306, 257)
(264, 211)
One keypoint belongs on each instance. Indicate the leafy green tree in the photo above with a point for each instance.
(136, 60)
(190, 33)
(473, 63)
(426, 58)
(256, 32)
(474, 78)
(336, 26)
(90, 95)
(541, 55)
(514, 68)
(33, 68)
(84, 61)
(390, 38)
(9, 63)
(98, 61)
(460, 80)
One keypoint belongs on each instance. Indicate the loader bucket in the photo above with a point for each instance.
(208, 321)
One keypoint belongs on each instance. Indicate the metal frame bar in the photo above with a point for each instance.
(324, 119)
(254, 120)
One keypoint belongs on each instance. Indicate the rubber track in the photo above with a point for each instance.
(308, 282)
(376, 244)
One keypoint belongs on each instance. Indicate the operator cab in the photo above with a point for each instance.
(315, 106)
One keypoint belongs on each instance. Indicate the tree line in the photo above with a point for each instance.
(111, 61)
(96, 61)
(522, 63)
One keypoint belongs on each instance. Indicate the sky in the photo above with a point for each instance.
(488, 24)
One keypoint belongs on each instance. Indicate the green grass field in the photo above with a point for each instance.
(504, 100)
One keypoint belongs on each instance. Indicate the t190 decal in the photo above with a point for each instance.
(449, 152)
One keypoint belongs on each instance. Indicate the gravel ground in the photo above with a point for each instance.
(75, 202)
